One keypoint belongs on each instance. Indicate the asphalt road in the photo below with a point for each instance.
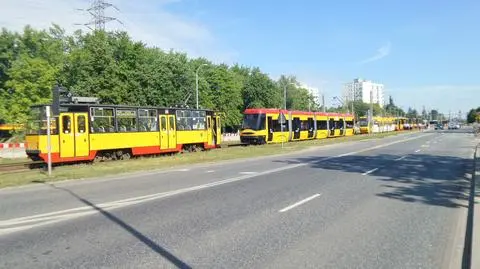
(398, 202)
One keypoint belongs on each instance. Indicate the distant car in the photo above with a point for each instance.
(438, 127)
(453, 126)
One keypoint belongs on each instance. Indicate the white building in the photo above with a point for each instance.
(315, 92)
(359, 90)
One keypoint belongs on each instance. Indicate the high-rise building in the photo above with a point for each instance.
(315, 92)
(360, 90)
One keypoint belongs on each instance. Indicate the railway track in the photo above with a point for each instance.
(18, 167)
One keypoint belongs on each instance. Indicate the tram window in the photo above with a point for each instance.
(296, 124)
(194, 123)
(277, 127)
(201, 123)
(126, 120)
(147, 120)
(191, 120)
(103, 120)
(66, 122)
(322, 125)
(332, 124)
(163, 124)
(304, 125)
(340, 124)
(349, 124)
(81, 124)
(311, 124)
(172, 123)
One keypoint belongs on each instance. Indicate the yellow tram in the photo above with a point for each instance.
(381, 124)
(266, 125)
(87, 131)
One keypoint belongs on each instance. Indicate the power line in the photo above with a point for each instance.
(97, 11)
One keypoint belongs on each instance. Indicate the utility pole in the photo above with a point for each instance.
(49, 141)
(323, 103)
(285, 93)
(370, 120)
(97, 11)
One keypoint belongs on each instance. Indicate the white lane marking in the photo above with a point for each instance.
(182, 170)
(87, 210)
(53, 217)
(401, 158)
(370, 171)
(418, 150)
(248, 173)
(210, 171)
(425, 146)
(299, 203)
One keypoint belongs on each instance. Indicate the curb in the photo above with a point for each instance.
(475, 258)
(12, 145)
(472, 233)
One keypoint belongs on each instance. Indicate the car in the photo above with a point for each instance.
(438, 127)
(453, 126)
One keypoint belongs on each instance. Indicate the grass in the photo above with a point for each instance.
(13, 160)
(78, 171)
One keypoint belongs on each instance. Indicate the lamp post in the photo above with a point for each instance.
(285, 93)
(196, 82)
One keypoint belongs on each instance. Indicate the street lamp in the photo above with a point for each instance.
(196, 81)
(285, 93)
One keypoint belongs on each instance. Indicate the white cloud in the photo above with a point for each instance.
(382, 52)
(148, 21)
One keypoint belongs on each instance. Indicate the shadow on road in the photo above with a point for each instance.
(147, 241)
(421, 178)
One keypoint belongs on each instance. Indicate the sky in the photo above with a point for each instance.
(425, 52)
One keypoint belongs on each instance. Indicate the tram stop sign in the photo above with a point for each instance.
(281, 118)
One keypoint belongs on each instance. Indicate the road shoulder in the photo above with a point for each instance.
(476, 217)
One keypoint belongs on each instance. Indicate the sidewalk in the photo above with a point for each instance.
(12, 153)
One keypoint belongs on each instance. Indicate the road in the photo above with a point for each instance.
(397, 202)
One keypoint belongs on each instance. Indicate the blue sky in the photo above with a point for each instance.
(425, 52)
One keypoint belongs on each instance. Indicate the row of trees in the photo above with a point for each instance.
(473, 115)
(361, 109)
(118, 70)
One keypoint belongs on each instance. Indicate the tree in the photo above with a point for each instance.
(31, 64)
(412, 113)
(472, 115)
(224, 93)
(392, 109)
(260, 91)
(424, 114)
(434, 114)
(119, 70)
(360, 108)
